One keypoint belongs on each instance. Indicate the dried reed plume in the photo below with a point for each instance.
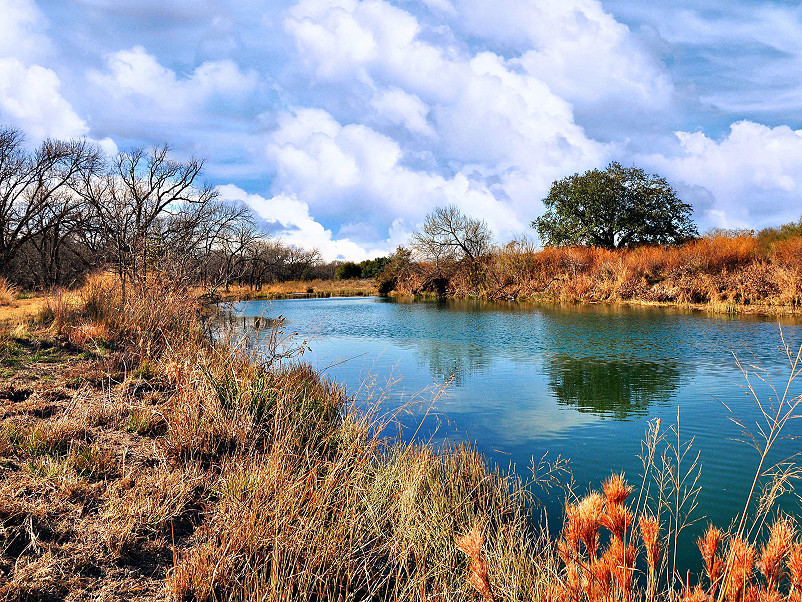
(697, 594)
(589, 513)
(617, 519)
(774, 551)
(742, 562)
(795, 572)
(616, 489)
(471, 544)
(622, 559)
(708, 546)
(650, 532)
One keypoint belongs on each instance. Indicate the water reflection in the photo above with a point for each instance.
(607, 387)
(452, 363)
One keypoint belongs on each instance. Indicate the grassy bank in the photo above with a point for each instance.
(719, 272)
(141, 461)
(353, 287)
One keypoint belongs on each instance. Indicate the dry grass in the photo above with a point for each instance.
(183, 470)
(315, 288)
(723, 273)
(159, 465)
(7, 292)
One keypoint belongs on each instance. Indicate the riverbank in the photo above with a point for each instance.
(300, 289)
(140, 461)
(719, 273)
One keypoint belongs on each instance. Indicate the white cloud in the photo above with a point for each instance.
(371, 40)
(30, 99)
(293, 224)
(505, 119)
(502, 131)
(754, 174)
(21, 28)
(344, 171)
(155, 93)
(581, 52)
(398, 107)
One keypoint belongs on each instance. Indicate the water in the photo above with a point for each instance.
(580, 382)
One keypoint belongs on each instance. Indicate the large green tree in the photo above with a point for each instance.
(614, 208)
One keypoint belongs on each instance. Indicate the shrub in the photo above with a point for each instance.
(347, 271)
(7, 292)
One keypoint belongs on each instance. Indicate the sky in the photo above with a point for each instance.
(343, 123)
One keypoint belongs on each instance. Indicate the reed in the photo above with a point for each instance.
(7, 292)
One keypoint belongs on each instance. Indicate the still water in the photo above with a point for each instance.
(580, 382)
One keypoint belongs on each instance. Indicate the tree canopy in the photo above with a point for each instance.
(614, 208)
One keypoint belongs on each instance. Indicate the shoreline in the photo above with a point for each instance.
(720, 308)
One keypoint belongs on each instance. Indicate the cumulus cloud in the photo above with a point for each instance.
(21, 30)
(30, 99)
(754, 174)
(398, 107)
(350, 170)
(497, 132)
(576, 48)
(289, 220)
(371, 40)
(155, 92)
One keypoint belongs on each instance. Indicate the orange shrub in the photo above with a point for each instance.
(719, 253)
(789, 253)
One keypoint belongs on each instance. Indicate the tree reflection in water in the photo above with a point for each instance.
(617, 388)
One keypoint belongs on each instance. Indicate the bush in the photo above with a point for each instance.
(348, 270)
(372, 267)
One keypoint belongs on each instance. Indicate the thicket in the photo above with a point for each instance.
(68, 209)
(369, 268)
(722, 269)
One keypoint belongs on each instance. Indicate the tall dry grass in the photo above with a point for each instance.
(720, 270)
(275, 486)
(7, 292)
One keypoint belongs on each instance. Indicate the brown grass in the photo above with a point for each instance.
(7, 292)
(157, 464)
(314, 288)
(720, 272)
(203, 472)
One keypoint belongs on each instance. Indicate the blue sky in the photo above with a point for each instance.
(344, 122)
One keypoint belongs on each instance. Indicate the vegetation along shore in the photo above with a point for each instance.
(143, 461)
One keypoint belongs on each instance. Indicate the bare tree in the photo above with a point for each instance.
(227, 234)
(137, 192)
(448, 235)
(35, 189)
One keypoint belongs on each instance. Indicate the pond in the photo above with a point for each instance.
(580, 381)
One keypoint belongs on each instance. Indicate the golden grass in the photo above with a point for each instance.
(250, 477)
(722, 273)
(21, 311)
(7, 292)
(320, 288)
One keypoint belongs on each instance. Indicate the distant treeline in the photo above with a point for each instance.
(67, 209)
